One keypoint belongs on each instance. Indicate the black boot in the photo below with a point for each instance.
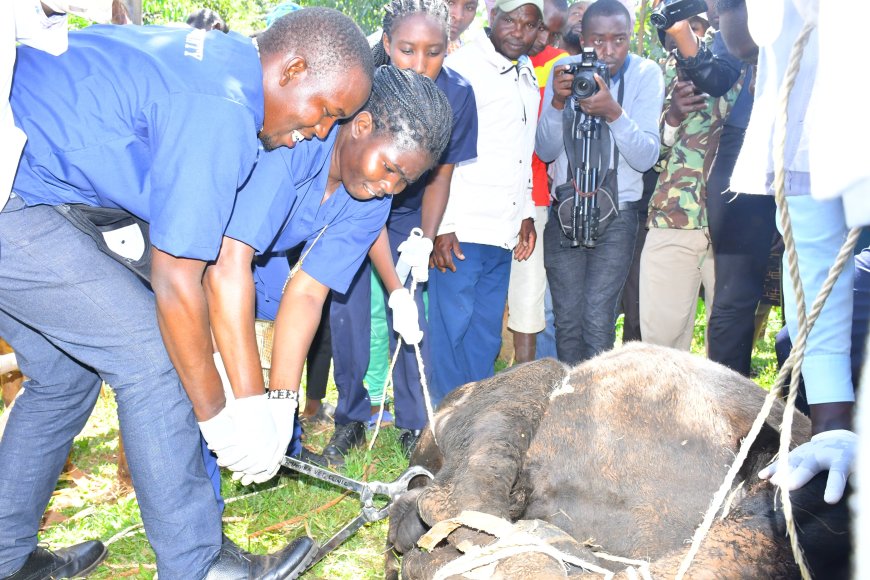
(75, 561)
(233, 563)
(408, 438)
(345, 438)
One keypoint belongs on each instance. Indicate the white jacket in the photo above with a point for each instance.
(492, 194)
(23, 21)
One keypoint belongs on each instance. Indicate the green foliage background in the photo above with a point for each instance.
(248, 16)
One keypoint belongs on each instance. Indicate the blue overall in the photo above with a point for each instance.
(282, 212)
(117, 121)
(350, 313)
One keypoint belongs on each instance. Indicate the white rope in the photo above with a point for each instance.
(511, 540)
(388, 384)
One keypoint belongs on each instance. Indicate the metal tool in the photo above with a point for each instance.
(366, 490)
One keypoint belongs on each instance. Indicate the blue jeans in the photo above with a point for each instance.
(75, 318)
(819, 229)
(545, 343)
(586, 285)
(465, 315)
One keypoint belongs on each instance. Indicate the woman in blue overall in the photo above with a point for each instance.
(337, 214)
(415, 38)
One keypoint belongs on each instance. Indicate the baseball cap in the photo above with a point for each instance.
(280, 10)
(511, 5)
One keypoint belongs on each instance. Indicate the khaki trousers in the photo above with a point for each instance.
(673, 266)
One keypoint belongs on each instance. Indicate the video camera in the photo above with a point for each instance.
(670, 12)
(584, 85)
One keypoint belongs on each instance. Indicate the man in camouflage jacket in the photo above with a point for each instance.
(677, 257)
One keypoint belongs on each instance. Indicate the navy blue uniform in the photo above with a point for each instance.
(124, 119)
(350, 313)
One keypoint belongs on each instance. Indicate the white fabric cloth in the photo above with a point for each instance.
(492, 194)
(23, 21)
(826, 115)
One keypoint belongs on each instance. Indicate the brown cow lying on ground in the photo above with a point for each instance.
(624, 453)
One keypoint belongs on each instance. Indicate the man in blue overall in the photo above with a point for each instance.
(161, 123)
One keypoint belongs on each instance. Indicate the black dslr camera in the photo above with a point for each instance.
(584, 85)
(670, 12)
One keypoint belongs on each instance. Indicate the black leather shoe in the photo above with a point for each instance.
(233, 563)
(75, 561)
(309, 456)
(345, 438)
(408, 438)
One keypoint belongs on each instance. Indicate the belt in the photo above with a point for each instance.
(626, 205)
(623, 205)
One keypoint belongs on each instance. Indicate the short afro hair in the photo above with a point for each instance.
(330, 42)
(604, 8)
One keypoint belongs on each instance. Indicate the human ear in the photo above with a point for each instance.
(293, 68)
(362, 125)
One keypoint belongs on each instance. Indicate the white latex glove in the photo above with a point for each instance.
(414, 254)
(405, 316)
(256, 434)
(831, 451)
(282, 411)
(221, 436)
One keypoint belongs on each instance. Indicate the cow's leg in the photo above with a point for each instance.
(484, 440)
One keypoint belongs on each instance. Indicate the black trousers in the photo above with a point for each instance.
(742, 229)
(319, 357)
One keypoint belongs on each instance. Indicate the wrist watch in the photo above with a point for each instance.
(282, 394)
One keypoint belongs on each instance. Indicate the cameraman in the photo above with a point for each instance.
(741, 226)
(586, 283)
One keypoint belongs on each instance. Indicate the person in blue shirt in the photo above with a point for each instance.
(414, 38)
(337, 215)
(160, 125)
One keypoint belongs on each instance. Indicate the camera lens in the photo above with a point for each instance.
(659, 20)
(584, 87)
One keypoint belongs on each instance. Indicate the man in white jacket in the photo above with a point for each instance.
(490, 211)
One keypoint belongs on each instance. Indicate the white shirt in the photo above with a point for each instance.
(491, 195)
(825, 153)
(28, 25)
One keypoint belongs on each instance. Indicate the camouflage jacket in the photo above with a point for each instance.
(679, 201)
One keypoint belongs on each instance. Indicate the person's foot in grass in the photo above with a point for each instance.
(408, 439)
(317, 413)
(346, 437)
(289, 562)
(73, 562)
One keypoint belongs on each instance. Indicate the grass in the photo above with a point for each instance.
(89, 503)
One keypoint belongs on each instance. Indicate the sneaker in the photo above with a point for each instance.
(408, 439)
(386, 420)
(75, 561)
(345, 438)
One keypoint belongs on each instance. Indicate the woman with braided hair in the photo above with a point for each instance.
(415, 37)
(331, 196)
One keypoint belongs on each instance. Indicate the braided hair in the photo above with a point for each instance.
(396, 10)
(410, 108)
